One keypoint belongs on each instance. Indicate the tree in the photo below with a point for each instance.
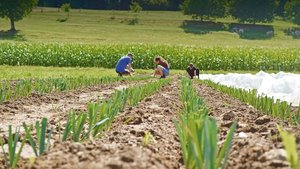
(16, 10)
(204, 8)
(157, 2)
(253, 10)
(66, 8)
(280, 8)
(135, 7)
(293, 11)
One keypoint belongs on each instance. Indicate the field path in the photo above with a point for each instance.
(255, 144)
(125, 144)
(33, 108)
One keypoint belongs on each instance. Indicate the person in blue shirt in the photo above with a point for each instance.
(123, 66)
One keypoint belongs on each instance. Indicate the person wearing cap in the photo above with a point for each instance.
(192, 71)
(162, 68)
(123, 66)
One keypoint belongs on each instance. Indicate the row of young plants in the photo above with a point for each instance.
(12, 90)
(88, 55)
(269, 106)
(275, 108)
(80, 126)
(198, 133)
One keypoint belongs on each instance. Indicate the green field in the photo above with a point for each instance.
(154, 27)
(29, 72)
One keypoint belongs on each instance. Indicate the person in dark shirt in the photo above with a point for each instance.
(192, 71)
(162, 68)
(123, 66)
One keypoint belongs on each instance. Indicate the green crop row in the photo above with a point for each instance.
(290, 145)
(100, 115)
(280, 109)
(15, 89)
(198, 133)
(179, 57)
(80, 126)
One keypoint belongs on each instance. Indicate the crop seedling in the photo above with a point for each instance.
(43, 140)
(148, 138)
(198, 133)
(289, 142)
(11, 160)
(26, 87)
(74, 126)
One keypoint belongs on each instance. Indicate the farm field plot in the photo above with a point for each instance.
(93, 118)
(256, 143)
(144, 133)
(37, 106)
(141, 137)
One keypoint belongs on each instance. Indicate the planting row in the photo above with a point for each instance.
(80, 126)
(178, 56)
(198, 134)
(275, 108)
(11, 90)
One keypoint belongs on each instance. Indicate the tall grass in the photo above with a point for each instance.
(13, 155)
(179, 57)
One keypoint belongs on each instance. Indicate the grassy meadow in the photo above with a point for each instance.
(153, 27)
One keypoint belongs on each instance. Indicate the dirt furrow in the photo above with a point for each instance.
(256, 143)
(141, 137)
(35, 107)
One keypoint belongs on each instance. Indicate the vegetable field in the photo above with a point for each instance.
(87, 117)
(216, 58)
(142, 122)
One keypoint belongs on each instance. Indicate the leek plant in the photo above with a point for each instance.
(13, 156)
(198, 133)
(100, 116)
(138, 93)
(74, 126)
(289, 142)
(43, 140)
(24, 88)
(280, 109)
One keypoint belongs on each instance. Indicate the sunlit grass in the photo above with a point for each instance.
(155, 27)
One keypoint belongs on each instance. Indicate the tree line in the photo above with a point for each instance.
(246, 11)
(171, 5)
